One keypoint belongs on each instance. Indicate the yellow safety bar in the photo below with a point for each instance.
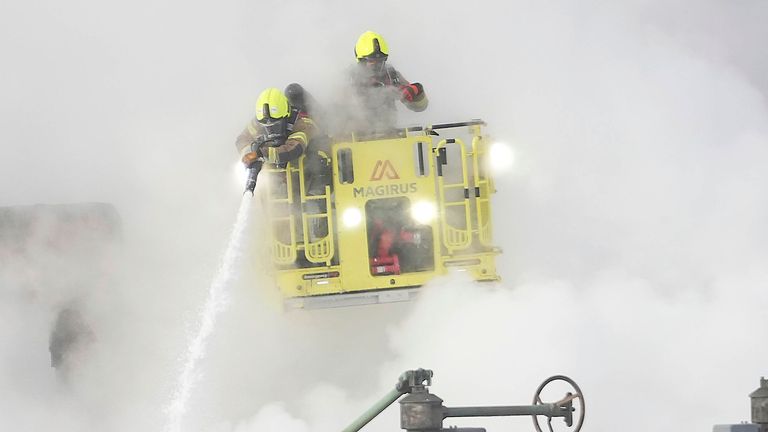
(454, 238)
(283, 253)
(483, 188)
(320, 250)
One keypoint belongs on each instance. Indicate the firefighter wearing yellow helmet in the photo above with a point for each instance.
(379, 85)
(279, 133)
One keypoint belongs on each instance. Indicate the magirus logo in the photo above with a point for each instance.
(384, 169)
(385, 190)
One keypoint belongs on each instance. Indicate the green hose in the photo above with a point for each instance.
(373, 411)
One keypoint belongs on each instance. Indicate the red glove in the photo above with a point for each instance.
(410, 91)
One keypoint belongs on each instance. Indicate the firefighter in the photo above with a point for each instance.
(278, 134)
(378, 86)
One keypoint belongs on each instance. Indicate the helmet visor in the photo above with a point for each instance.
(374, 63)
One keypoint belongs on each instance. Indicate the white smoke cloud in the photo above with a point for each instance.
(632, 225)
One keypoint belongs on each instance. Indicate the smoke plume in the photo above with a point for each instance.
(632, 222)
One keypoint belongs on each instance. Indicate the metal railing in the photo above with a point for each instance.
(281, 214)
(483, 188)
(314, 212)
(454, 238)
(318, 250)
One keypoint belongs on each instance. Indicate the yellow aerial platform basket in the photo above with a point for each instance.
(374, 218)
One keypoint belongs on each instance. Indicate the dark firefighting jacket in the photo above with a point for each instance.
(254, 141)
(375, 96)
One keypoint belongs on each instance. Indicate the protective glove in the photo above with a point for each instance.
(410, 91)
(250, 158)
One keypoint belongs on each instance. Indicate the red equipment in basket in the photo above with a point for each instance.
(385, 265)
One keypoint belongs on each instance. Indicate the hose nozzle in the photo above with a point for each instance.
(253, 173)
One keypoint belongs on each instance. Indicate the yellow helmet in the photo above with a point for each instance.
(272, 105)
(371, 45)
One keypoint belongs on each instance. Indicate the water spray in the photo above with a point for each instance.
(215, 303)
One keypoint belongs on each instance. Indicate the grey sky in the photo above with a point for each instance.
(635, 216)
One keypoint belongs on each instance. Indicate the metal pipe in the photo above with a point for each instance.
(373, 411)
(455, 125)
(549, 410)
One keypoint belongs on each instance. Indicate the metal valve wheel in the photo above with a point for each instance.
(565, 404)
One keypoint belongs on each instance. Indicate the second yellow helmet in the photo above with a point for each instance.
(371, 45)
(272, 105)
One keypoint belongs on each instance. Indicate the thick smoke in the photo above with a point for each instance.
(632, 223)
